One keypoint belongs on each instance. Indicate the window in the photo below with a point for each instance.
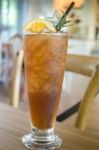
(8, 14)
(8, 17)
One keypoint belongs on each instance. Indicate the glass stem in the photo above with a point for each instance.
(43, 136)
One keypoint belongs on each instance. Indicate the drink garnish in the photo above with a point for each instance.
(38, 25)
(49, 24)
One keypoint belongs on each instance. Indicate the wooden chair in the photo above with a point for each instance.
(16, 76)
(88, 66)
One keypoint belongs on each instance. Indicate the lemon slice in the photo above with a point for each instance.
(39, 25)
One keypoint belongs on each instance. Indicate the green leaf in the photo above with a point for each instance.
(63, 20)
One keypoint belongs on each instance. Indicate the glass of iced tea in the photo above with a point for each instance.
(44, 60)
(45, 51)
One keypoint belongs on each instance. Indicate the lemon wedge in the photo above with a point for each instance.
(39, 25)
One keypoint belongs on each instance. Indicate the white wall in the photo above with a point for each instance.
(39, 8)
(87, 14)
(91, 19)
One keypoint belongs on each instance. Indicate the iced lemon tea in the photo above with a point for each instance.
(45, 50)
(45, 57)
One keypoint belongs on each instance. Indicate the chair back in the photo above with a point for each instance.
(81, 64)
(88, 66)
(16, 44)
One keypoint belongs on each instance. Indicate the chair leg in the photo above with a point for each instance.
(68, 113)
(87, 100)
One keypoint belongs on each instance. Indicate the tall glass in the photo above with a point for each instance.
(44, 59)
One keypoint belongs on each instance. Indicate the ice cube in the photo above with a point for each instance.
(46, 30)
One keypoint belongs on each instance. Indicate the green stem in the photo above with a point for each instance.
(61, 21)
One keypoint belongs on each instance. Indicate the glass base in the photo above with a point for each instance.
(42, 140)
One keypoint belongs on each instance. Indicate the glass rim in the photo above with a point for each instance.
(46, 33)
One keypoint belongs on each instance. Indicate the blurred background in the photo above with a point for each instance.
(84, 33)
(14, 14)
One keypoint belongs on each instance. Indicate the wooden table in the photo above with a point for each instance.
(15, 123)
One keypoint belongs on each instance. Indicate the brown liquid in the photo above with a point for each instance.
(45, 56)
